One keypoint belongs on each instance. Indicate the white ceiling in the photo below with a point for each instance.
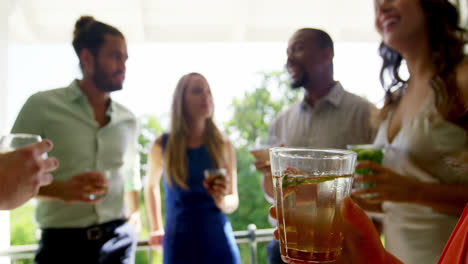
(40, 21)
(190, 20)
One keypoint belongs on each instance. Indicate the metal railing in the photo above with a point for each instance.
(252, 236)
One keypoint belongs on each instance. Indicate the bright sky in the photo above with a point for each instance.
(154, 69)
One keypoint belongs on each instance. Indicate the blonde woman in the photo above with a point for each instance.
(196, 228)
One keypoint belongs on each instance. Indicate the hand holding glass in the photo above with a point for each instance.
(211, 175)
(261, 154)
(261, 150)
(24, 170)
(107, 175)
(368, 152)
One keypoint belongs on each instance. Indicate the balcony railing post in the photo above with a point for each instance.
(253, 243)
(150, 255)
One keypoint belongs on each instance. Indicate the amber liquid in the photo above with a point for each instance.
(309, 219)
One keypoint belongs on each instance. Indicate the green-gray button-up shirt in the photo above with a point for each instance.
(65, 116)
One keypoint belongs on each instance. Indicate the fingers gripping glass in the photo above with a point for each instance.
(107, 174)
(368, 152)
(211, 175)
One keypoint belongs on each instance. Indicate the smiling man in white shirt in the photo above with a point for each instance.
(327, 117)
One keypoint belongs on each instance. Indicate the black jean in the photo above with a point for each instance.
(273, 253)
(112, 242)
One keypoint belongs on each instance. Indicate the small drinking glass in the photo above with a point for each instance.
(13, 142)
(107, 174)
(309, 186)
(211, 175)
(368, 152)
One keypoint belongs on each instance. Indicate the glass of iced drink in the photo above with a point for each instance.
(211, 175)
(309, 186)
(107, 174)
(369, 152)
(12, 142)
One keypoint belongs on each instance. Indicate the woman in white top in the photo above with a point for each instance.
(421, 188)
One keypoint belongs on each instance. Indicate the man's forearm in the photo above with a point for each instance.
(52, 191)
(132, 201)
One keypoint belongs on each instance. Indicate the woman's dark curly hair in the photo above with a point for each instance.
(447, 40)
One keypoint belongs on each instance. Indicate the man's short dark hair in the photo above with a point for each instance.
(323, 39)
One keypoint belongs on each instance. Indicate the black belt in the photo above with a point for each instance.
(94, 232)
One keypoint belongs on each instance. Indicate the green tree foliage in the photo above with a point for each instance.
(22, 229)
(256, 110)
(253, 114)
(149, 130)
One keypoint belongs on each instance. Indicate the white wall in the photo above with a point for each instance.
(4, 9)
(3, 63)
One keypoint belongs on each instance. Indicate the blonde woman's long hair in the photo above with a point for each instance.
(176, 149)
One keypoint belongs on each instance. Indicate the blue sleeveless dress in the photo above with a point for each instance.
(196, 231)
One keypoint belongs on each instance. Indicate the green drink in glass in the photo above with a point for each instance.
(368, 152)
(309, 186)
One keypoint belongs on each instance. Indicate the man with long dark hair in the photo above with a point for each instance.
(81, 213)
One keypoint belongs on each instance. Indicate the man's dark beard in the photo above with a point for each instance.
(102, 80)
(301, 82)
